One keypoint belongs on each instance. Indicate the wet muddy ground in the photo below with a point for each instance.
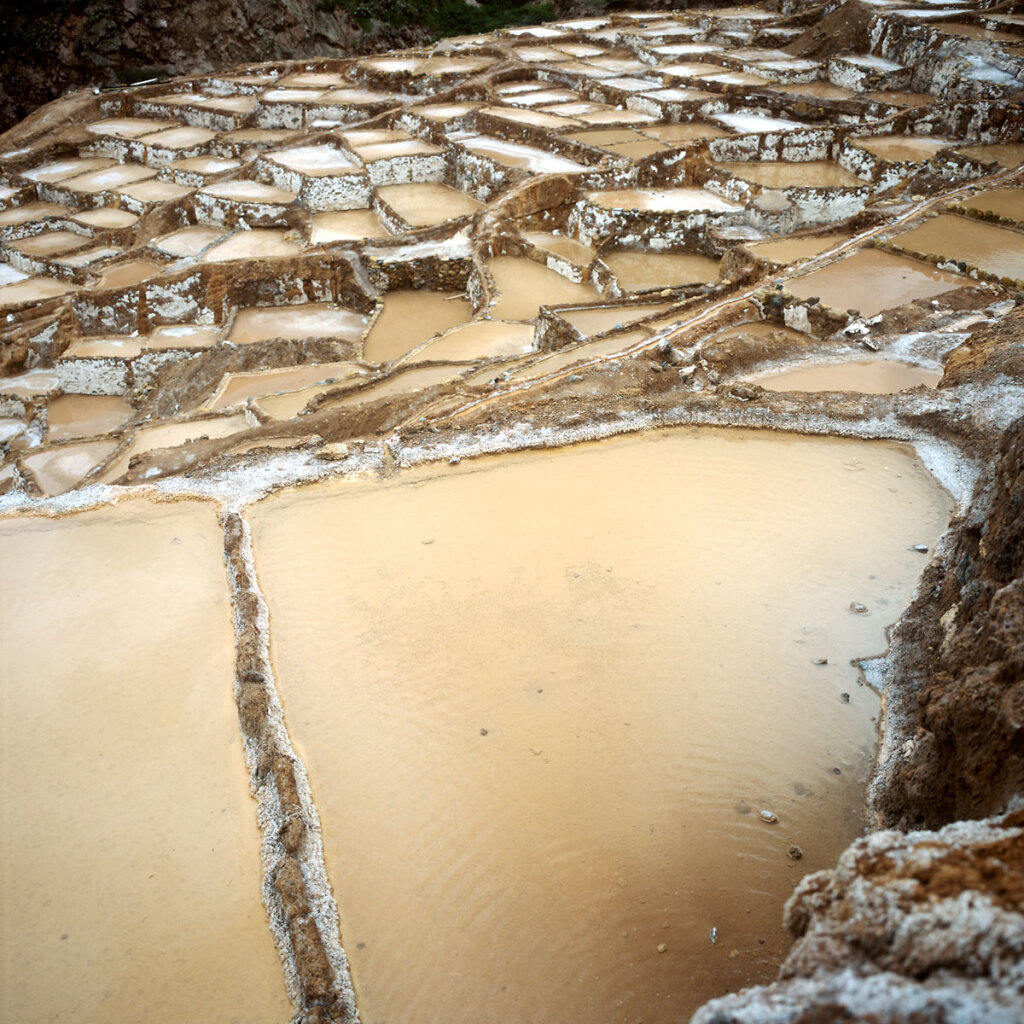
(509, 692)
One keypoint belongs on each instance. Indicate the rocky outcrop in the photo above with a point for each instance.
(925, 927)
(67, 45)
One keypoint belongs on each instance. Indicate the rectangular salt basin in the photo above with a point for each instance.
(786, 174)
(130, 865)
(866, 376)
(663, 200)
(636, 271)
(994, 249)
(903, 148)
(539, 737)
(872, 280)
(425, 203)
(1003, 202)
(524, 286)
(512, 154)
(409, 317)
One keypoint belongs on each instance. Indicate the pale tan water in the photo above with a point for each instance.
(789, 250)
(638, 270)
(662, 200)
(189, 241)
(130, 863)
(901, 148)
(344, 226)
(783, 174)
(402, 383)
(867, 376)
(410, 317)
(479, 339)
(562, 245)
(423, 203)
(988, 247)
(543, 697)
(689, 131)
(121, 275)
(1007, 154)
(872, 280)
(56, 470)
(605, 318)
(85, 415)
(524, 286)
(258, 244)
(308, 320)
(1005, 202)
(236, 388)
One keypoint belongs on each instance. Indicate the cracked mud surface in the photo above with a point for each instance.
(208, 290)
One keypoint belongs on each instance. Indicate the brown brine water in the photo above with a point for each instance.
(543, 699)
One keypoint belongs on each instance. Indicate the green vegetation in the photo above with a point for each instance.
(443, 17)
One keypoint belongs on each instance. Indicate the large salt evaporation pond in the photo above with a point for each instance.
(544, 698)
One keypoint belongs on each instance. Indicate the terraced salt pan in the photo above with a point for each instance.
(867, 376)
(513, 154)
(63, 169)
(33, 289)
(264, 243)
(237, 388)
(316, 161)
(72, 416)
(109, 178)
(663, 200)
(784, 174)
(1007, 154)
(127, 127)
(104, 348)
(244, 191)
(56, 470)
(637, 271)
(789, 250)
(1004, 202)
(172, 435)
(182, 336)
(422, 204)
(756, 123)
(49, 244)
(605, 318)
(128, 825)
(546, 813)
(903, 148)
(309, 320)
(688, 131)
(561, 245)
(345, 225)
(994, 249)
(29, 212)
(189, 241)
(401, 383)
(524, 286)
(106, 217)
(872, 280)
(479, 339)
(121, 275)
(409, 317)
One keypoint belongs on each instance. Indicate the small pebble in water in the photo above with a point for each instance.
(769, 818)
(820, 661)
(858, 608)
(483, 732)
(922, 548)
(837, 771)
(662, 948)
(845, 698)
(794, 853)
(713, 936)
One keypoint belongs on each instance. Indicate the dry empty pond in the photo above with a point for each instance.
(543, 699)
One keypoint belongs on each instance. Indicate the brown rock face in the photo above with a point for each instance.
(57, 46)
(957, 702)
(924, 927)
